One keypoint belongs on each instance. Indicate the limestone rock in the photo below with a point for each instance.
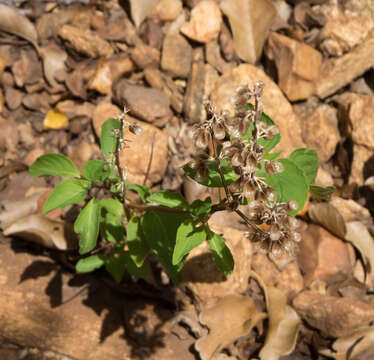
(298, 65)
(144, 56)
(85, 41)
(323, 256)
(319, 127)
(250, 21)
(148, 104)
(346, 27)
(333, 316)
(214, 58)
(176, 55)
(275, 103)
(362, 164)
(205, 22)
(206, 281)
(102, 80)
(168, 10)
(336, 73)
(140, 9)
(201, 82)
(138, 153)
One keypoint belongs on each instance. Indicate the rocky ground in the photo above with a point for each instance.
(67, 66)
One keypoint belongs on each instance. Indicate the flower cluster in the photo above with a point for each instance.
(237, 139)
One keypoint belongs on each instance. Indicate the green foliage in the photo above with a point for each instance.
(214, 179)
(66, 193)
(176, 227)
(54, 164)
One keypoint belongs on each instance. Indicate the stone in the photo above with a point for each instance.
(201, 83)
(250, 21)
(85, 41)
(297, 65)
(331, 315)
(289, 280)
(36, 101)
(120, 65)
(205, 280)
(214, 58)
(345, 27)
(319, 128)
(145, 56)
(323, 256)
(2, 101)
(338, 72)
(151, 105)
(168, 10)
(351, 210)
(274, 102)
(362, 167)
(13, 97)
(323, 178)
(102, 79)
(72, 109)
(103, 111)
(151, 147)
(176, 55)
(27, 70)
(140, 9)
(205, 22)
(226, 43)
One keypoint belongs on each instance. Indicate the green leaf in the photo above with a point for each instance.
(67, 192)
(54, 164)
(201, 207)
(214, 179)
(89, 263)
(115, 264)
(111, 227)
(221, 253)
(94, 170)
(188, 237)
(267, 144)
(160, 230)
(139, 249)
(321, 193)
(87, 225)
(108, 139)
(290, 184)
(169, 198)
(271, 156)
(113, 206)
(139, 272)
(307, 160)
(143, 191)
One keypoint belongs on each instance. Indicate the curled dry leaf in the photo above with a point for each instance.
(46, 232)
(15, 23)
(13, 210)
(233, 316)
(348, 347)
(53, 60)
(329, 217)
(359, 236)
(284, 324)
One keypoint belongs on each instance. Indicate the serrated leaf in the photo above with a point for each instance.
(290, 184)
(87, 225)
(188, 237)
(214, 179)
(67, 192)
(201, 207)
(306, 160)
(142, 191)
(221, 253)
(321, 193)
(160, 230)
(94, 170)
(108, 139)
(54, 164)
(139, 248)
(169, 198)
(89, 264)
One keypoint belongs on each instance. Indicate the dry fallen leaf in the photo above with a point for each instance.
(359, 236)
(49, 233)
(15, 23)
(233, 316)
(54, 120)
(349, 347)
(329, 217)
(284, 324)
(53, 60)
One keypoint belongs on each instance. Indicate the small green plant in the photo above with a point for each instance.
(233, 153)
